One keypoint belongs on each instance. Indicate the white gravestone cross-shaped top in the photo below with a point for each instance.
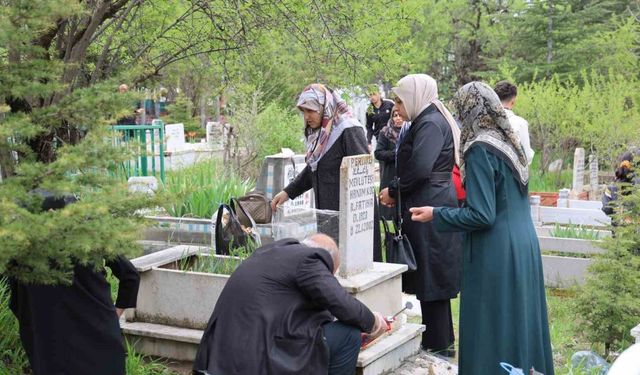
(356, 214)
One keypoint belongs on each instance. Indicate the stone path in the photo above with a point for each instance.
(426, 364)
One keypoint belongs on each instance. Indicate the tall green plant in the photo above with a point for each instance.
(197, 191)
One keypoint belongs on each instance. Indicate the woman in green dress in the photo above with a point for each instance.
(503, 310)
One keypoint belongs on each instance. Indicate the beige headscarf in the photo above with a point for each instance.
(417, 92)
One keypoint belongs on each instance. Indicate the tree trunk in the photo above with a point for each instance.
(550, 35)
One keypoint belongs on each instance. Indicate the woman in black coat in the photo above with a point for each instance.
(331, 133)
(386, 154)
(426, 155)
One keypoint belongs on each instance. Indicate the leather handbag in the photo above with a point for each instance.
(231, 232)
(399, 248)
(257, 205)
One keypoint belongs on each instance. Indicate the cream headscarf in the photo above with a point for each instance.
(417, 92)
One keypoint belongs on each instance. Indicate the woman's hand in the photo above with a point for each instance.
(279, 199)
(423, 214)
(385, 199)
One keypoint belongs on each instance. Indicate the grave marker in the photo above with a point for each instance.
(578, 170)
(356, 214)
(174, 135)
(593, 176)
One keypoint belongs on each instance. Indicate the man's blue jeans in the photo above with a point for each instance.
(343, 341)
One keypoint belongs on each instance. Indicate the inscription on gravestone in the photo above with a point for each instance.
(578, 170)
(174, 136)
(356, 214)
(593, 175)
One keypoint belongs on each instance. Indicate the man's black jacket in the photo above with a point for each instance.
(377, 118)
(269, 317)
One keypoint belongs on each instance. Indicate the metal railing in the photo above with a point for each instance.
(147, 143)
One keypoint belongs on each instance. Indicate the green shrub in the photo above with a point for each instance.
(608, 304)
(13, 359)
(600, 112)
(260, 131)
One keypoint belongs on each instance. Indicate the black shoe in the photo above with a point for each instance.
(444, 353)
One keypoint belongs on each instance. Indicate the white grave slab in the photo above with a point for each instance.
(174, 136)
(356, 214)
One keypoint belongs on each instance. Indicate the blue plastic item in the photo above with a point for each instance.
(511, 369)
(589, 361)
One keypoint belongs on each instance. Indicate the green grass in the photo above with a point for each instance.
(548, 181)
(564, 330)
(197, 191)
(575, 231)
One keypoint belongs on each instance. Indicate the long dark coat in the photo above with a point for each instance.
(425, 161)
(269, 317)
(503, 310)
(74, 329)
(325, 181)
(385, 153)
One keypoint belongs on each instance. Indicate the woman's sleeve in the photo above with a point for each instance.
(383, 150)
(480, 210)
(354, 141)
(300, 184)
(129, 281)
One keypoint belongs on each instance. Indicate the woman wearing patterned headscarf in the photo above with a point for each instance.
(331, 133)
(425, 158)
(503, 313)
(385, 153)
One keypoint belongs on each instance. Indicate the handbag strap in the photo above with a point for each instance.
(398, 219)
(235, 205)
(218, 231)
(385, 225)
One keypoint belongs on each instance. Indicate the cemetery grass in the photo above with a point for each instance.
(575, 231)
(564, 329)
(540, 181)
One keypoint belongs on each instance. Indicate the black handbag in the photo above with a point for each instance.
(399, 248)
(231, 232)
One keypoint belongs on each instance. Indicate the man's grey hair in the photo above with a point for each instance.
(324, 242)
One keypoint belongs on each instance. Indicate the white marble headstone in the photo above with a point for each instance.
(578, 170)
(174, 136)
(214, 134)
(356, 214)
(593, 173)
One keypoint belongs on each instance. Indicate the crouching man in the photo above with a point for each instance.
(276, 315)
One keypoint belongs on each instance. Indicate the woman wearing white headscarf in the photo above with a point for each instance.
(425, 158)
(503, 312)
(331, 133)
